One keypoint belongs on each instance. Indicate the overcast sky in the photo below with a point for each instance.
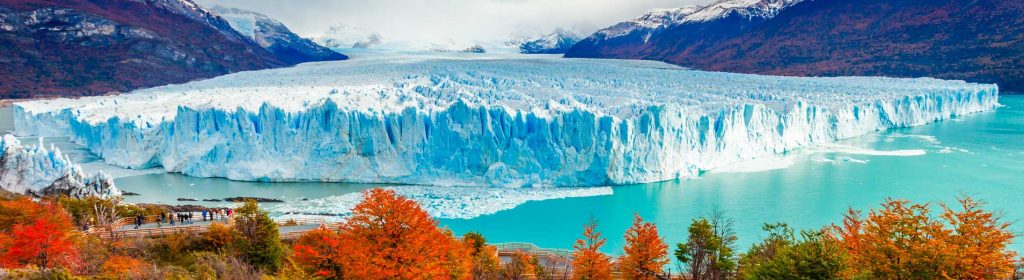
(461, 20)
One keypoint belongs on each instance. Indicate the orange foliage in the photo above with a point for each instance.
(387, 237)
(520, 265)
(219, 235)
(320, 251)
(978, 243)
(39, 234)
(588, 261)
(122, 265)
(646, 254)
(902, 240)
(25, 211)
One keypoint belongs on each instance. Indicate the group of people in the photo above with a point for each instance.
(186, 218)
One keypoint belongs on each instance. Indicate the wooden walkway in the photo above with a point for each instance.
(124, 228)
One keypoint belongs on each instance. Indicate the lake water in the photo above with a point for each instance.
(980, 155)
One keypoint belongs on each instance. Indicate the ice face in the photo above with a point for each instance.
(41, 171)
(486, 122)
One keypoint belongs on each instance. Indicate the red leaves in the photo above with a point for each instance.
(42, 243)
(321, 251)
(45, 240)
(387, 237)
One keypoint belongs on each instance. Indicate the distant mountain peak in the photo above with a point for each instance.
(274, 36)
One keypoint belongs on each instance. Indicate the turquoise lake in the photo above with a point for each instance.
(980, 155)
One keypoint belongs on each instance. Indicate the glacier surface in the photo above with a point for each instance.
(41, 171)
(462, 120)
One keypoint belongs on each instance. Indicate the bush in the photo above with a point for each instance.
(260, 242)
(225, 267)
(782, 256)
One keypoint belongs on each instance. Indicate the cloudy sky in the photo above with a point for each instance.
(461, 20)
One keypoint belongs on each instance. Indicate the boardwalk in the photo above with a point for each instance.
(125, 227)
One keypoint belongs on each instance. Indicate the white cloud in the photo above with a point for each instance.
(463, 20)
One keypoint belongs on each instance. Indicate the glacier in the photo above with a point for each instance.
(36, 170)
(461, 120)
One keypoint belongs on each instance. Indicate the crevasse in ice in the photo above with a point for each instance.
(492, 122)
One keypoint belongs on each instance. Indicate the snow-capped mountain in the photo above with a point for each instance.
(343, 36)
(556, 42)
(275, 37)
(747, 9)
(661, 19)
(647, 24)
(903, 38)
(36, 170)
(73, 48)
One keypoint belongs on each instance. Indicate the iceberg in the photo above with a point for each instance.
(35, 170)
(460, 121)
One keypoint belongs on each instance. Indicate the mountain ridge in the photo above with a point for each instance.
(978, 41)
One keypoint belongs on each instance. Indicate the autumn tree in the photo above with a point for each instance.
(646, 254)
(708, 253)
(486, 264)
(36, 233)
(588, 262)
(390, 237)
(320, 251)
(978, 242)
(902, 240)
(25, 211)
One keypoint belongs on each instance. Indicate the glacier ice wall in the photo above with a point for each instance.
(40, 171)
(534, 122)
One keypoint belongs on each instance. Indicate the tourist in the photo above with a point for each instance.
(190, 217)
(138, 220)
(204, 215)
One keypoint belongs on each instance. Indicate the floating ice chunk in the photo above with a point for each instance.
(758, 165)
(443, 202)
(845, 149)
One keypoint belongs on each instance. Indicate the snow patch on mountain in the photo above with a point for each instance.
(661, 19)
(275, 37)
(463, 120)
(37, 170)
(343, 36)
(748, 9)
(556, 42)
